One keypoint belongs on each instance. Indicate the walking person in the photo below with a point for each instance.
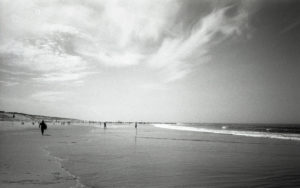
(43, 126)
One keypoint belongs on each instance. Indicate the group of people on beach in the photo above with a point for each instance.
(43, 126)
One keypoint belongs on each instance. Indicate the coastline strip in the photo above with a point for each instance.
(232, 132)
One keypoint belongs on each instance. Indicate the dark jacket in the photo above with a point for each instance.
(43, 125)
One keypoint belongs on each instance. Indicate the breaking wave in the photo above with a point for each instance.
(283, 136)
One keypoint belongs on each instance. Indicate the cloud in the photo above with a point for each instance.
(8, 83)
(16, 72)
(41, 62)
(60, 41)
(63, 76)
(62, 38)
(35, 39)
(48, 96)
(41, 57)
(177, 55)
(290, 27)
(126, 30)
(153, 86)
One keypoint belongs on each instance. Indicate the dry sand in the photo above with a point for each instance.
(25, 161)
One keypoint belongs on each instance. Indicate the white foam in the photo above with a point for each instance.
(59, 162)
(232, 132)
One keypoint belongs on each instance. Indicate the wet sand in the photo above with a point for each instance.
(25, 160)
(122, 156)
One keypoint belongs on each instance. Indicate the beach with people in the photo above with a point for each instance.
(150, 93)
(154, 155)
(24, 160)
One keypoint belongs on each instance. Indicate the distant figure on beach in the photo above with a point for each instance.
(43, 126)
(104, 124)
(135, 125)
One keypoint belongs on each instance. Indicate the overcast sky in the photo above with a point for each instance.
(152, 60)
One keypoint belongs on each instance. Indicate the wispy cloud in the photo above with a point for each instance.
(39, 38)
(62, 76)
(48, 96)
(153, 86)
(16, 72)
(125, 31)
(177, 55)
(290, 27)
(61, 40)
(8, 83)
(41, 58)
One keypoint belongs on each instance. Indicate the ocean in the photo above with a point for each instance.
(279, 131)
(182, 155)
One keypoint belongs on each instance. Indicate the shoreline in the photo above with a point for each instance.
(59, 162)
(86, 156)
(26, 161)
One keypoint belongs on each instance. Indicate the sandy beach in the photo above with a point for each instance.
(25, 161)
(122, 156)
(190, 93)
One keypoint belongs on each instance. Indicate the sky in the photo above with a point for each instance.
(151, 60)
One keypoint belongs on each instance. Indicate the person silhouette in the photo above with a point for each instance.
(43, 126)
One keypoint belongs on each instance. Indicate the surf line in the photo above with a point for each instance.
(59, 162)
(231, 132)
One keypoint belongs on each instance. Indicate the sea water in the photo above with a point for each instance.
(184, 155)
(280, 131)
